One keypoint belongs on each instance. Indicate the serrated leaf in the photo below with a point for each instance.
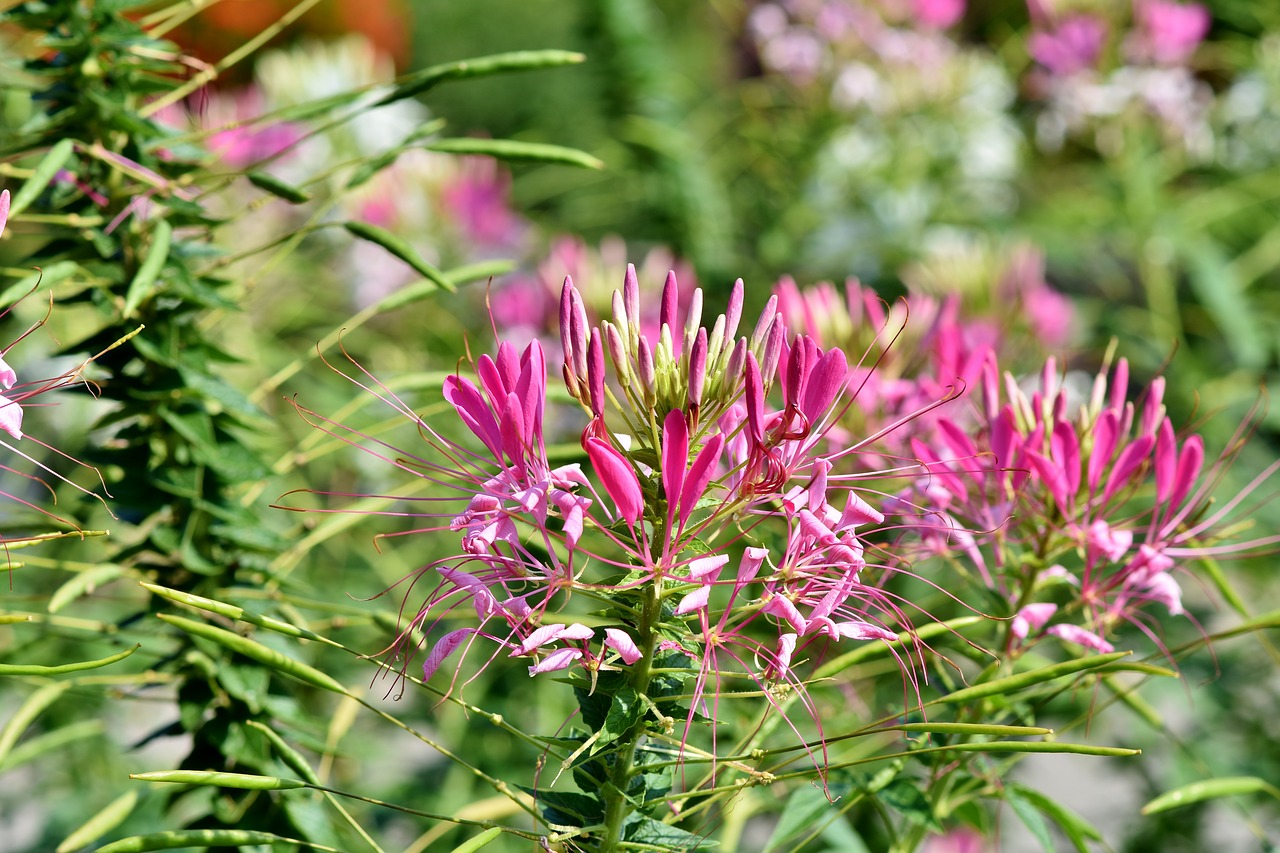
(624, 712)
(664, 836)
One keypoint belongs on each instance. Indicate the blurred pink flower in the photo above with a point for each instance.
(962, 840)
(1169, 32)
(1071, 47)
(479, 201)
(938, 14)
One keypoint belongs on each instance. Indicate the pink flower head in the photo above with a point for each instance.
(479, 200)
(1071, 47)
(937, 14)
(1168, 32)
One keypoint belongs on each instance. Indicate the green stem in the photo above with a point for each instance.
(615, 794)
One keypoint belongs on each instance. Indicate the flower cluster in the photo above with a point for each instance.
(1064, 484)
(707, 520)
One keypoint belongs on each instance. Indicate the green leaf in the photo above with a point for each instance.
(663, 836)
(83, 583)
(567, 808)
(47, 277)
(1076, 828)
(49, 165)
(904, 795)
(802, 812)
(511, 150)
(624, 713)
(1210, 789)
(1220, 291)
(26, 714)
(107, 819)
(144, 282)
(1030, 817)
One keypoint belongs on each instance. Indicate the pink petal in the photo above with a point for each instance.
(4, 210)
(859, 630)
(826, 380)
(618, 477)
(1105, 433)
(1081, 637)
(7, 375)
(781, 606)
(1130, 459)
(557, 660)
(699, 477)
(696, 600)
(620, 641)
(1032, 618)
(444, 647)
(1189, 464)
(703, 566)
(675, 458)
(475, 412)
(10, 417)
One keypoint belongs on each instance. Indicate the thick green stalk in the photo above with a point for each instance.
(615, 794)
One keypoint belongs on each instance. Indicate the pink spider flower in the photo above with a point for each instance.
(1167, 32)
(1070, 46)
(1061, 472)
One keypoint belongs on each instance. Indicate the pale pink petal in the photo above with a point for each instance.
(442, 649)
(858, 630)
(620, 641)
(703, 566)
(557, 660)
(10, 417)
(699, 477)
(696, 600)
(1081, 637)
(1032, 618)
(781, 606)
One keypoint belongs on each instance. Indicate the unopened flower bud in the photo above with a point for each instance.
(697, 369)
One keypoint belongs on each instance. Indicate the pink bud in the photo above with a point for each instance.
(1189, 464)
(618, 353)
(1130, 459)
(4, 212)
(647, 373)
(773, 350)
(595, 374)
(697, 369)
(1104, 444)
(733, 313)
(631, 297)
(670, 302)
(693, 320)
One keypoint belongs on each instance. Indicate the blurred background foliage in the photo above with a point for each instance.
(740, 139)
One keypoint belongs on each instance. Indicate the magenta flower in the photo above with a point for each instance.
(1072, 46)
(1167, 32)
(937, 14)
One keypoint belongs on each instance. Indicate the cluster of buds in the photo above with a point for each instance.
(1074, 476)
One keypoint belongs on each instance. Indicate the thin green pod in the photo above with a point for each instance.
(420, 290)
(268, 657)
(232, 611)
(512, 150)
(107, 819)
(145, 281)
(79, 666)
(1210, 789)
(400, 249)
(203, 838)
(241, 781)
(290, 756)
(1045, 746)
(278, 188)
(473, 844)
(966, 729)
(871, 650)
(519, 60)
(43, 173)
(1022, 680)
(82, 583)
(26, 714)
